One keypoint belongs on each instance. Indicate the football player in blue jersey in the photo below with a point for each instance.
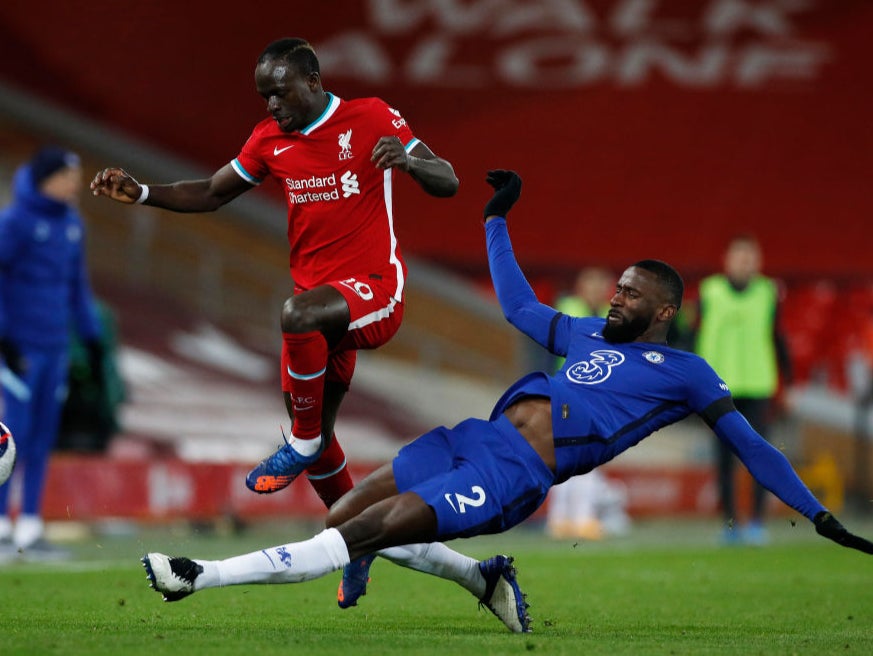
(620, 383)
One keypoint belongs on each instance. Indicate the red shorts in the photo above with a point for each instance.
(375, 317)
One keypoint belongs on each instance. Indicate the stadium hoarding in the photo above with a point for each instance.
(642, 127)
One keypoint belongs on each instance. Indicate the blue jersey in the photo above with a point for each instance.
(608, 397)
(44, 286)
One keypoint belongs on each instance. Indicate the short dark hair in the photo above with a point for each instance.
(668, 277)
(297, 52)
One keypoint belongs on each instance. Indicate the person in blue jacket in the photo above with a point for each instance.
(620, 383)
(44, 293)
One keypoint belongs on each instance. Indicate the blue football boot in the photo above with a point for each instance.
(279, 470)
(503, 596)
(356, 575)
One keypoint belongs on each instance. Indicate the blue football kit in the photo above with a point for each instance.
(483, 477)
(44, 293)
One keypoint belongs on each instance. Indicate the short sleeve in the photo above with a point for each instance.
(394, 124)
(249, 164)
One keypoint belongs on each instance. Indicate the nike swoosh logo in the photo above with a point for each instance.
(279, 151)
(449, 499)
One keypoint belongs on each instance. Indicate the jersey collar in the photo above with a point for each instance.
(332, 103)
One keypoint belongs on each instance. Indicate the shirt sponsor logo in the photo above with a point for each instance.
(398, 122)
(350, 184)
(596, 369)
(324, 188)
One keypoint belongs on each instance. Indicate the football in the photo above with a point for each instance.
(7, 453)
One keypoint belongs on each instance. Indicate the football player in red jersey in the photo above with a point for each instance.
(334, 159)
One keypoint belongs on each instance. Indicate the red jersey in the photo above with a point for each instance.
(340, 211)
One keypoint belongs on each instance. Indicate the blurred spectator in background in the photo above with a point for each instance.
(590, 506)
(44, 289)
(738, 334)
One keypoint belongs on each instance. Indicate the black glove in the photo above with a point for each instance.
(828, 526)
(507, 186)
(15, 362)
(95, 361)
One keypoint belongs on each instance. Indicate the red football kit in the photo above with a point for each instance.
(340, 215)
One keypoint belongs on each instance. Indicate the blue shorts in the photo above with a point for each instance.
(479, 477)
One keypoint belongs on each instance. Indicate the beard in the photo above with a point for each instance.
(626, 331)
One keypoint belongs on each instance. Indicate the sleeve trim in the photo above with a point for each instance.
(717, 409)
(245, 175)
(553, 326)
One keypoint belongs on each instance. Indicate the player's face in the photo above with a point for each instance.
(743, 260)
(634, 306)
(292, 98)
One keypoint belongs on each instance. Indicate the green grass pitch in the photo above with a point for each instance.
(665, 589)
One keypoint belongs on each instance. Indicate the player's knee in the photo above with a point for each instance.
(299, 317)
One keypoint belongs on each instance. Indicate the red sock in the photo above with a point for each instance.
(307, 357)
(330, 475)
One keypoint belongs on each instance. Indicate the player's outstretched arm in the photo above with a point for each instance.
(204, 195)
(828, 526)
(434, 174)
(516, 297)
(771, 468)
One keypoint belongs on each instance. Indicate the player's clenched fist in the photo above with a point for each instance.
(507, 189)
(117, 184)
(828, 526)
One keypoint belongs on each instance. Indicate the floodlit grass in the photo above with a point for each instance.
(665, 589)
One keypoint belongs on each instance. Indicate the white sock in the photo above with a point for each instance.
(306, 447)
(28, 529)
(288, 563)
(437, 559)
(5, 527)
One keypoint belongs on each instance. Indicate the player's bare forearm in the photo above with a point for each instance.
(436, 176)
(184, 196)
(204, 195)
